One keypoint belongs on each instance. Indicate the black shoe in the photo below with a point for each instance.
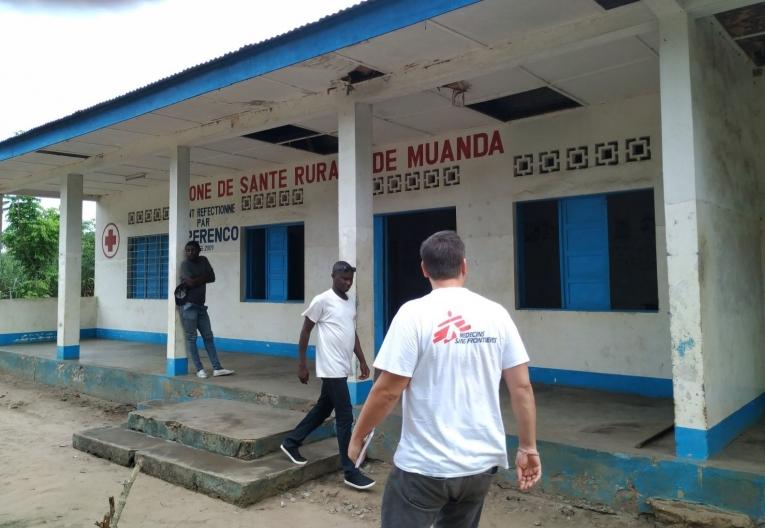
(294, 455)
(359, 481)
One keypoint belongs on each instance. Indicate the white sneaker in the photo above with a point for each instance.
(222, 372)
(201, 374)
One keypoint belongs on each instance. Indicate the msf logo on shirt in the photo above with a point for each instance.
(450, 329)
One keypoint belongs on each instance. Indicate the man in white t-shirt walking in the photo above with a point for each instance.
(334, 314)
(446, 353)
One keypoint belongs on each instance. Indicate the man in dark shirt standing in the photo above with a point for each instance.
(196, 272)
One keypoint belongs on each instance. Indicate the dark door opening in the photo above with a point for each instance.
(402, 235)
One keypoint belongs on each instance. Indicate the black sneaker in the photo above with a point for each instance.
(294, 455)
(359, 481)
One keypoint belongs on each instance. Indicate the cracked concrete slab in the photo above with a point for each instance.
(227, 427)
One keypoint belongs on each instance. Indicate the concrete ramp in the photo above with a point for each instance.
(225, 449)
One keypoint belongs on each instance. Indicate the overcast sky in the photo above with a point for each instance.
(61, 56)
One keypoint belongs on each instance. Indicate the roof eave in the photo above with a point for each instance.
(348, 27)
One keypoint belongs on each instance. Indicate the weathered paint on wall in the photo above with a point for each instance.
(608, 342)
(681, 224)
(729, 165)
(28, 320)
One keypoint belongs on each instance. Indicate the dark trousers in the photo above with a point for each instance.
(412, 500)
(334, 395)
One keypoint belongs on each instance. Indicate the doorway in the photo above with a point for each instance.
(398, 277)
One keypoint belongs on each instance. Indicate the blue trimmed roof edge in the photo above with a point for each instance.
(350, 26)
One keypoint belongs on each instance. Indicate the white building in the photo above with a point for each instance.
(600, 158)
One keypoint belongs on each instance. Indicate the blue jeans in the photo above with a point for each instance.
(193, 317)
(334, 395)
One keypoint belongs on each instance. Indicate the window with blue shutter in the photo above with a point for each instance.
(274, 263)
(590, 253)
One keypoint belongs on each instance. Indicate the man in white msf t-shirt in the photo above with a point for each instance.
(334, 314)
(446, 353)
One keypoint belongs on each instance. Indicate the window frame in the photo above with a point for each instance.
(247, 276)
(520, 250)
(157, 289)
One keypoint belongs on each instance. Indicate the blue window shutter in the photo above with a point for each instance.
(276, 263)
(584, 253)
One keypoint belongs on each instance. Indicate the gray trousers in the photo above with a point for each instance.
(417, 501)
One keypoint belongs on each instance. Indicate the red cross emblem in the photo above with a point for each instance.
(110, 240)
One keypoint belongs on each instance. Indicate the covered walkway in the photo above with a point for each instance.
(604, 156)
(616, 423)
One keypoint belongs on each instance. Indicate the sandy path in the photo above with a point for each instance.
(44, 482)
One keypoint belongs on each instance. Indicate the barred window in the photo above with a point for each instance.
(147, 267)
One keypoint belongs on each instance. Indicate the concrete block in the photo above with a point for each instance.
(240, 482)
(226, 427)
(692, 515)
(113, 443)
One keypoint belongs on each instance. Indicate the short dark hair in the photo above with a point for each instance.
(342, 266)
(442, 254)
(194, 243)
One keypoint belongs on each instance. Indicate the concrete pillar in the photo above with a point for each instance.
(683, 258)
(177, 361)
(69, 268)
(354, 200)
(2, 213)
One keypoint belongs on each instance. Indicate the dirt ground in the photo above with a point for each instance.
(45, 482)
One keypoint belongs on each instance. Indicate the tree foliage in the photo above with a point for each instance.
(88, 258)
(29, 266)
(32, 240)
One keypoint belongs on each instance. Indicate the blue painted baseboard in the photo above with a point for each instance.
(247, 346)
(700, 444)
(643, 386)
(68, 352)
(155, 338)
(41, 336)
(359, 391)
(268, 348)
(177, 366)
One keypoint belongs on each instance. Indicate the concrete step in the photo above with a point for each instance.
(225, 427)
(241, 482)
(114, 443)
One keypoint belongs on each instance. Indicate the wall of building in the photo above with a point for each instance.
(484, 193)
(612, 342)
(730, 165)
(34, 320)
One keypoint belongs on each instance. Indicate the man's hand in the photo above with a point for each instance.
(303, 374)
(528, 468)
(364, 370)
(354, 448)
